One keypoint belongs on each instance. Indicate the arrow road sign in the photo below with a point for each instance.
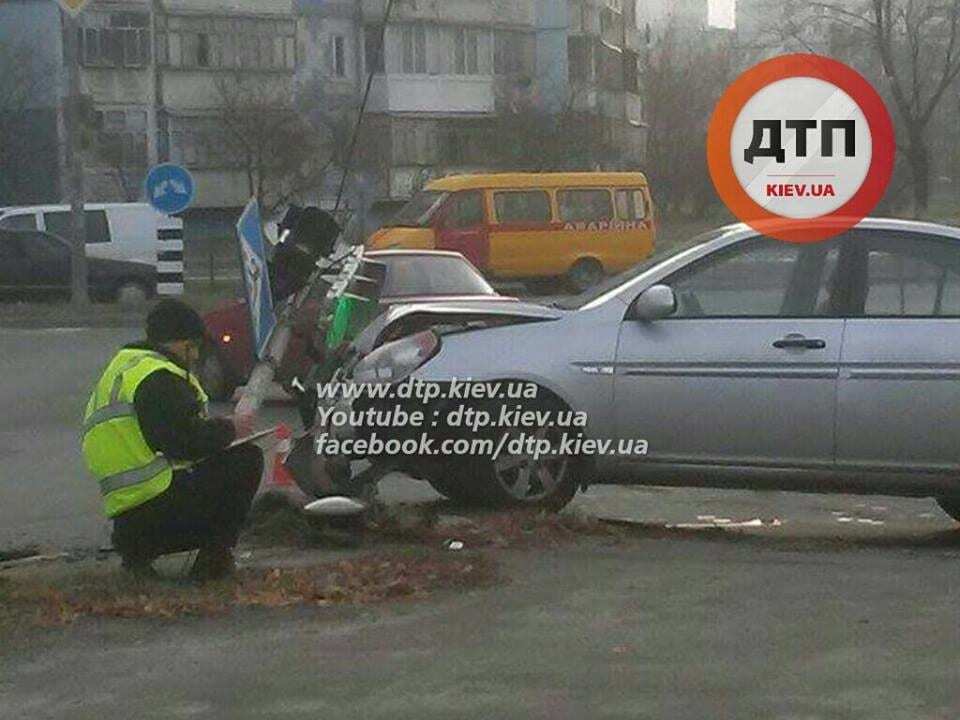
(170, 188)
(256, 278)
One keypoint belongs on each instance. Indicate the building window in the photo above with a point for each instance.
(610, 68)
(197, 142)
(203, 50)
(466, 51)
(122, 138)
(372, 49)
(414, 41)
(512, 53)
(580, 57)
(338, 56)
(248, 43)
(611, 27)
(414, 142)
(116, 39)
(631, 72)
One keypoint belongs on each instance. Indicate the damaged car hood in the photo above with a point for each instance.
(414, 317)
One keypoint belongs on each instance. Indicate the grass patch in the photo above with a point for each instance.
(369, 579)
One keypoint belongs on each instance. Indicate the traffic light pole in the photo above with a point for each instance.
(72, 104)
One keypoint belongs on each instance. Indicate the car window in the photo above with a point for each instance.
(26, 221)
(760, 277)
(914, 277)
(42, 247)
(98, 230)
(631, 205)
(466, 210)
(614, 282)
(409, 275)
(584, 205)
(522, 206)
(10, 246)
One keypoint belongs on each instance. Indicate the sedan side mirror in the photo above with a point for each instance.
(654, 303)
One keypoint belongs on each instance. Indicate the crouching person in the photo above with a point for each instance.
(168, 477)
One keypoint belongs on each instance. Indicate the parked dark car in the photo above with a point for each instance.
(36, 265)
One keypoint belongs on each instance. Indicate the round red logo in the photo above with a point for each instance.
(801, 147)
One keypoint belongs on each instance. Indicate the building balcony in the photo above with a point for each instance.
(432, 94)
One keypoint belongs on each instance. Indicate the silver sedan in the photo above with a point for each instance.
(738, 360)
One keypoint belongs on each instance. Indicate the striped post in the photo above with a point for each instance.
(170, 261)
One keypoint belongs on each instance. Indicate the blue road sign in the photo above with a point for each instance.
(170, 188)
(256, 278)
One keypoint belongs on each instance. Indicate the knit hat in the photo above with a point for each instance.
(174, 320)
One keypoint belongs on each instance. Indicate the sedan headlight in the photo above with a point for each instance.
(397, 360)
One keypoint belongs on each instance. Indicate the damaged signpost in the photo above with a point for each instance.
(272, 329)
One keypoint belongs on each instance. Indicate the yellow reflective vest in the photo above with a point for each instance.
(129, 472)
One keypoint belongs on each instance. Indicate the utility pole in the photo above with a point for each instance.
(73, 120)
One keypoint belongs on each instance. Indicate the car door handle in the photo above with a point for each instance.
(799, 341)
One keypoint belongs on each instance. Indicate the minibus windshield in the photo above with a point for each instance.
(419, 211)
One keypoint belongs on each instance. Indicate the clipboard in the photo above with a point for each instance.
(259, 435)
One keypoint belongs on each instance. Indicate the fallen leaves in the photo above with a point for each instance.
(364, 580)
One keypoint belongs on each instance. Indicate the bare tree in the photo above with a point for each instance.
(259, 129)
(28, 133)
(526, 137)
(682, 82)
(127, 169)
(917, 43)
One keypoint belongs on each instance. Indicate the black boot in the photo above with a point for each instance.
(140, 567)
(213, 562)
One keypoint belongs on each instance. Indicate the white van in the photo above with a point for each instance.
(132, 232)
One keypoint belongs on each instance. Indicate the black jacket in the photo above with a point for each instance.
(170, 415)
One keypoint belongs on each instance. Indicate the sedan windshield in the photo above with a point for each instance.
(410, 275)
(419, 211)
(660, 255)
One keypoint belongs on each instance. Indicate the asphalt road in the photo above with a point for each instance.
(46, 497)
(655, 628)
(804, 607)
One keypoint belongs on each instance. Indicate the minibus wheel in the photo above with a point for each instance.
(585, 274)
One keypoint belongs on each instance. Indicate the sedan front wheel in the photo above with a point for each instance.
(520, 476)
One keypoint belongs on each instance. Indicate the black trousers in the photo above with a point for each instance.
(204, 506)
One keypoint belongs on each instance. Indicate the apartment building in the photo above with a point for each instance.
(203, 48)
(449, 72)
